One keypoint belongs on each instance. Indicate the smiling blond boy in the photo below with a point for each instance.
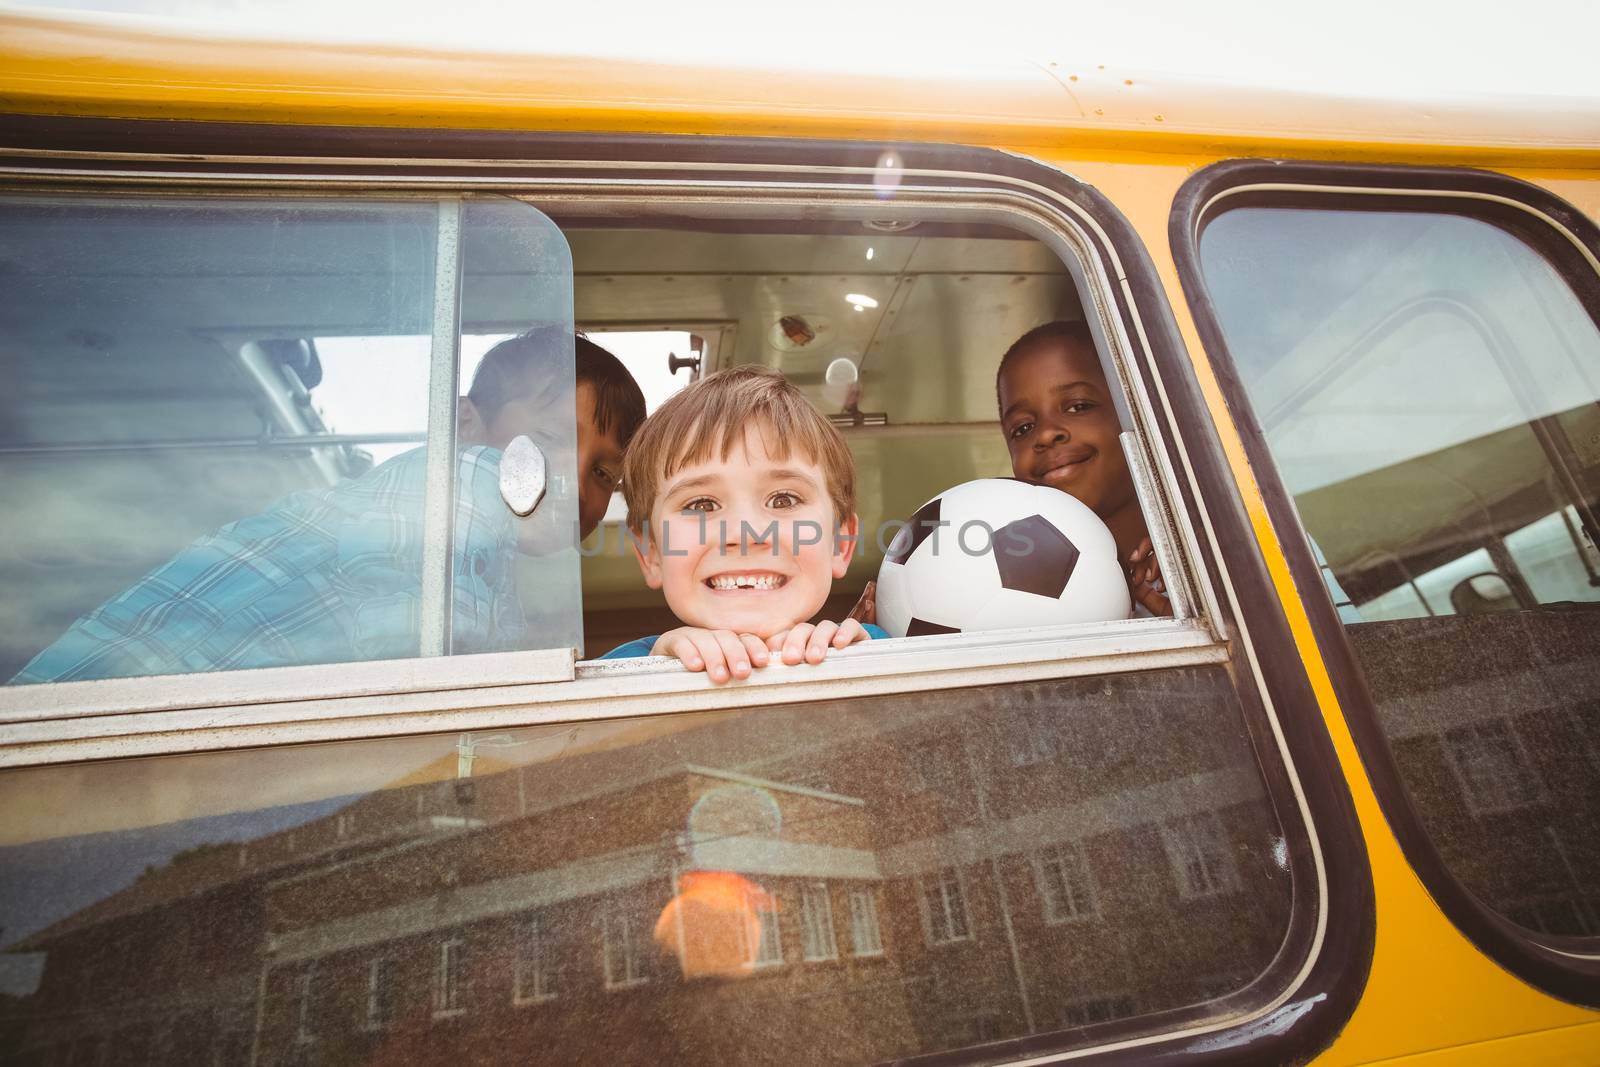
(741, 502)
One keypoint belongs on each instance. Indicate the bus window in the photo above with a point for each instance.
(662, 361)
(896, 338)
(217, 440)
(1428, 386)
(838, 882)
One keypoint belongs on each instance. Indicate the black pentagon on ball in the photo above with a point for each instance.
(1034, 556)
(913, 533)
(918, 628)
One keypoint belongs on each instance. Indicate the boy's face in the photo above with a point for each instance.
(599, 452)
(747, 543)
(1061, 427)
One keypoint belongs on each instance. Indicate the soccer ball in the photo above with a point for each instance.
(996, 554)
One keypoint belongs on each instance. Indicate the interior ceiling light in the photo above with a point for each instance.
(860, 300)
(798, 331)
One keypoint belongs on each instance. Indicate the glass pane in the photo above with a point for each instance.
(647, 355)
(662, 890)
(214, 433)
(517, 580)
(1428, 385)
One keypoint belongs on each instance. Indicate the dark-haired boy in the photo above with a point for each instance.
(1062, 431)
(334, 575)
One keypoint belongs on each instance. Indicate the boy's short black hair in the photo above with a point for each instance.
(1059, 330)
(511, 370)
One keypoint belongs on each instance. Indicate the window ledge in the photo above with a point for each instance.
(599, 690)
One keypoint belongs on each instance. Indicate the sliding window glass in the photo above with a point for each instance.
(1427, 383)
(231, 434)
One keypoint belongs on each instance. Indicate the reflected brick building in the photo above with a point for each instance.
(922, 875)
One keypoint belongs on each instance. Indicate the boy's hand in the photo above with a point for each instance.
(810, 644)
(1145, 582)
(866, 609)
(722, 654)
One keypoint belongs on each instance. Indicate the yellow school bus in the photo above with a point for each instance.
(1342, 806)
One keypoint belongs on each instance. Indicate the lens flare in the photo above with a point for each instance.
(713, 925)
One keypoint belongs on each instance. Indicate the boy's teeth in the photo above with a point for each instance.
(746, 581)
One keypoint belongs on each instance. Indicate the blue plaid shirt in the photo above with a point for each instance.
(322, 576)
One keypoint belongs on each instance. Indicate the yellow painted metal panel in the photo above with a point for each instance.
(106, 66)
(1430, 988)
(1571, 1046)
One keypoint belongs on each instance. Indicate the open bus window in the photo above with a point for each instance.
(1429, 386)
(662, 361)
(217, 434)
(896, 339)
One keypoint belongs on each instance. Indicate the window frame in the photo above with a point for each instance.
(1043, 858)
(532, 931)
(636, 969)
(334, 691)
(1291, 1010)
(380, 994)
(1565, 967)
(450, 978)
(1459, 767)
(866, 916)
(941, 879)
(305, 1010)
(816, 922)
(1190, 838)
(763, 908)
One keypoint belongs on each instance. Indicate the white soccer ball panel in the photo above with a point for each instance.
(958, 578)
(946, 583)
(894, 599)
(1096, 593)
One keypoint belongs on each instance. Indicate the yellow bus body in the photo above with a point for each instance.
(1432, 997)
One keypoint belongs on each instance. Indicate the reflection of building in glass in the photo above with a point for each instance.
(1493, 721)
(625, 905)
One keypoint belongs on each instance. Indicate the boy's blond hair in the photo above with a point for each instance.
(712, 416)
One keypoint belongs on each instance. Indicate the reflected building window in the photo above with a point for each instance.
(380, 993)
(816, 915)
(1563, 904)
(1202, 861)
(537, 976)
(1076, 1013)
(866, 939)
(972, 1030)
(305, 1006)
(1492, 767)
(449, 981)
(1029, 739)
(626, 948)
(1065, 886)
(1560, 915)
(1564, 915)
(944, 908)
(939, 766)
(768, 949)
